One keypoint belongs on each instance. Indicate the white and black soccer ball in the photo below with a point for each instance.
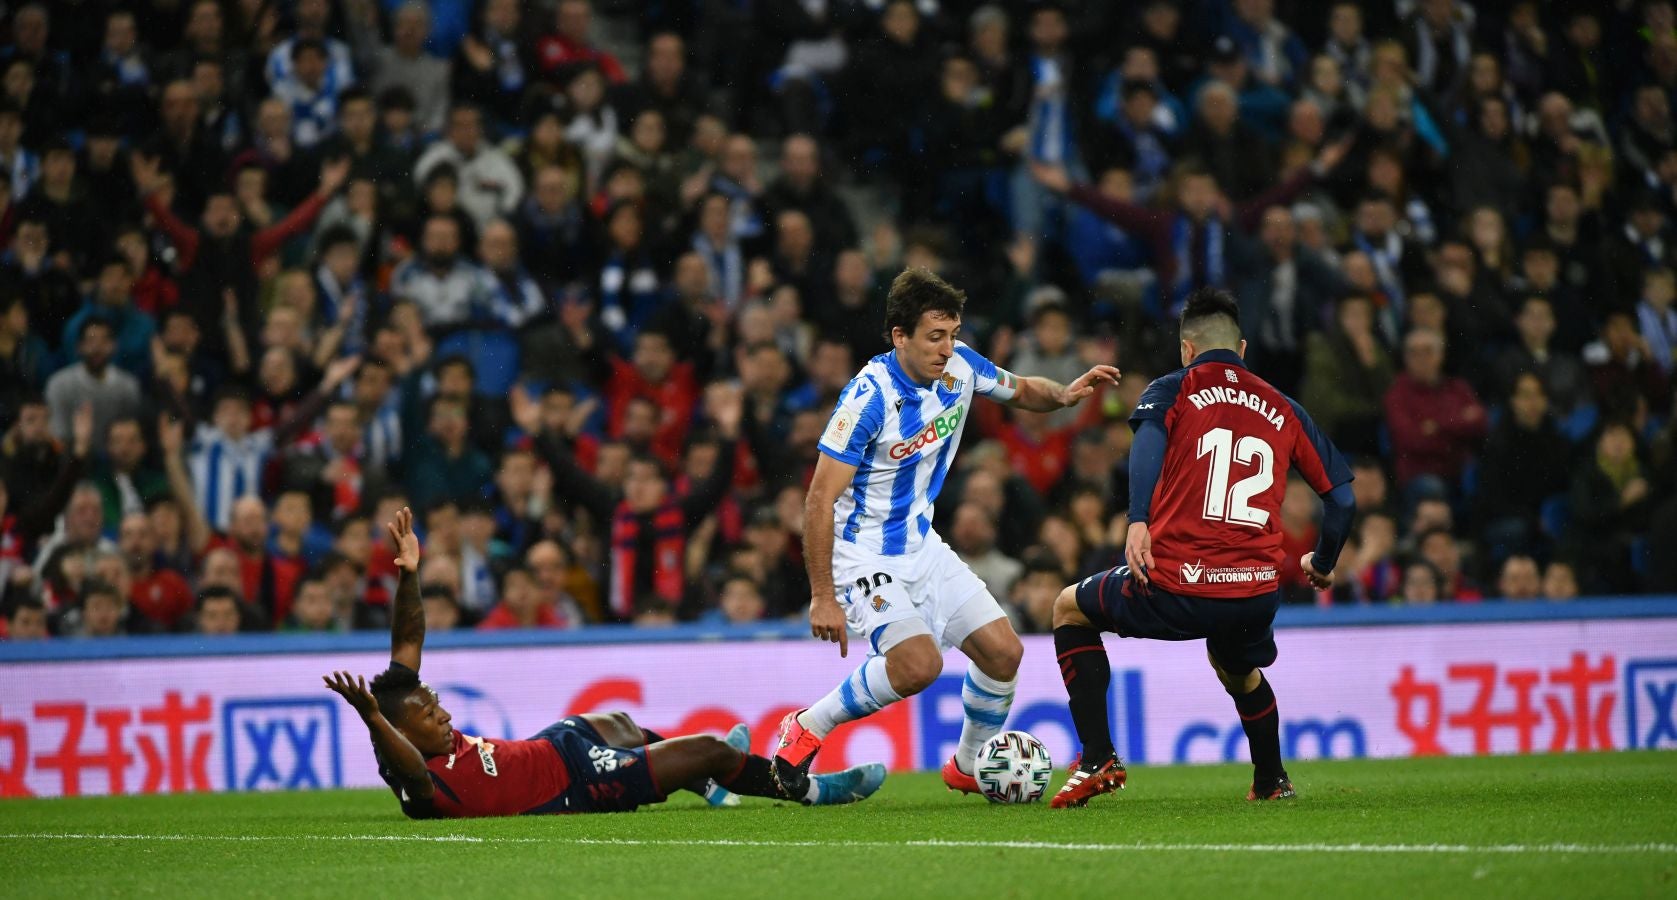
(1013, 767)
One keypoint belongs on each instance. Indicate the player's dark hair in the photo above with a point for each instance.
(390, 690)
(1211, 318)
(916, 292)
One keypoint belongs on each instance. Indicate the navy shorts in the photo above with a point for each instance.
(603, 778)
(1240, 634)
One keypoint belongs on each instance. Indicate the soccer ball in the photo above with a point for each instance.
(1013, 767)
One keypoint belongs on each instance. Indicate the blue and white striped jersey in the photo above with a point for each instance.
(901, 437)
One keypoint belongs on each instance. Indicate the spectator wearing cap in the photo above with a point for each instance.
(490, 184)
(1260, 105)
(406, 61)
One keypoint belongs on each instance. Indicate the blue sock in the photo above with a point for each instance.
(985, 702)
(862, 694)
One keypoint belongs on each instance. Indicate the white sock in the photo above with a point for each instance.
(985, 702)
(862, 694)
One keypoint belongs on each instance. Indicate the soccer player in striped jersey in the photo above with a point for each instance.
(876, 567)
(1208, 471)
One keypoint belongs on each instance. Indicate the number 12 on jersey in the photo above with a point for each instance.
(1233, 505)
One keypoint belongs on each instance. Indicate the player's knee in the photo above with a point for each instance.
(913, 668)
(1003, 662)
(1066, 610)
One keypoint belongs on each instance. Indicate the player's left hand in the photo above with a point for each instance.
(1317, 580)
(404, 540)
(1087, 383)
(353, 688)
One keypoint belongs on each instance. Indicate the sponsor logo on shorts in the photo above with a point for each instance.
(936, 430)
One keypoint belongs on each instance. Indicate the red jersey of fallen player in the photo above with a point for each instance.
(1215, 516)
(481, 777)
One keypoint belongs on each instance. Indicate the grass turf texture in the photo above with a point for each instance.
(1470, 827)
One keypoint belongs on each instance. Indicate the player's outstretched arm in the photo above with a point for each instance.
(393, 748)
(407, 622)
(1039, 394)
(826, 617)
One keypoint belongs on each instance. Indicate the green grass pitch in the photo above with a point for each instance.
(1596, 825)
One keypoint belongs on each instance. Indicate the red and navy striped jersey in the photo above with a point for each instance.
(1215, 517)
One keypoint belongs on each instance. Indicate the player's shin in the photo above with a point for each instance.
(1258, 716)
(985, 703)
(864, 693)
(1087, 673)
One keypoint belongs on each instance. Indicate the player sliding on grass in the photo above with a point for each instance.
(875, 565)
(1208, 470)
(584, 763)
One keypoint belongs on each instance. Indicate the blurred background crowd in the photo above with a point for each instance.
(580, 283)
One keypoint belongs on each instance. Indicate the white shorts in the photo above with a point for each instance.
(932, 587)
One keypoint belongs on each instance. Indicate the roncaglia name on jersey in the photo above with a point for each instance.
(1218, 394)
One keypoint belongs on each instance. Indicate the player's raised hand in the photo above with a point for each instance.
(1087, 383)
(353, 688)
(1317, 580)
(404, 540)
(826, 621)
(1138, 552)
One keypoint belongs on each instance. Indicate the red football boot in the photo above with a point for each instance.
(1272, 789)
(1088, 781)
(798, 746)
(958, 780)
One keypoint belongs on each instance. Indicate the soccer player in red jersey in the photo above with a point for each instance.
(1208, 471)
(583, 763)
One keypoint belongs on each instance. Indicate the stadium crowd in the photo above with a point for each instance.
(273, 269)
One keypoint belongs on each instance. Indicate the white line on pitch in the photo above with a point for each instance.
(1587, 849)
